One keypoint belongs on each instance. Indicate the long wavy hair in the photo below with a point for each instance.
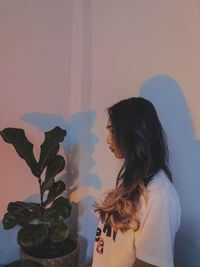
(140, 138)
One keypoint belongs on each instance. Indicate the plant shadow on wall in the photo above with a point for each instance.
(79, 138)
(165, 93)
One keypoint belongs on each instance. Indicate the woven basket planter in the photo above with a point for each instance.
(69, 260)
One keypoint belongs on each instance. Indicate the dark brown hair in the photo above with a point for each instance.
(140, 138)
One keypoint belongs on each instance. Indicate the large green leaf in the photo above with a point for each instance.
(24, 148)
(32, 235)
(55, 166)
(50, 146)
(61, 201)
(57, 213)
(9, 221)
(20, 213)
(59, 233)
(52, 217)
(63, 205)
(54, 192)
(19, 205)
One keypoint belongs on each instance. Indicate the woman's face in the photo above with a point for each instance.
(111, 142)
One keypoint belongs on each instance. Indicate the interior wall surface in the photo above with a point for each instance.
(35, 80)
(151, 49)
(64, 63)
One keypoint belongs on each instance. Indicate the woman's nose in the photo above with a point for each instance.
(108, 139)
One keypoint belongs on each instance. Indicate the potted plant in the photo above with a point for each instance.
(26, 263)
(48, 242)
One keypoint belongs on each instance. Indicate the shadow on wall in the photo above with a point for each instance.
(9, 249)
(169, 101)
(78, 147)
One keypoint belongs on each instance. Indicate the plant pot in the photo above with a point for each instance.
(69, 260)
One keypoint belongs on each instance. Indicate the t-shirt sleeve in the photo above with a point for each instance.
(154, 240)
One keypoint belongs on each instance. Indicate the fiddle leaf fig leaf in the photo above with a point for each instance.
(32, 235)
(55, 166)
(50, 146)
(23, 147)
(52, 217)
(20, 213)
(19, 205)
(55, 191)
(59, 233)
(61, 201)
(58, 212)
(63, 205)
(9, 221)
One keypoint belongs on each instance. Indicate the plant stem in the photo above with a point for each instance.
(41, 194)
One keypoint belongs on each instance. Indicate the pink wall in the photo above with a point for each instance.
(35, 74)
(132, 43)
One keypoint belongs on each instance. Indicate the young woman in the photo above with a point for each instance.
(141, 215)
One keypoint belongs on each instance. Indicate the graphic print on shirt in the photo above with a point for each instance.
(107, 229)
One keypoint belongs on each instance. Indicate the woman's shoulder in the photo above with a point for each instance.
(162, 197)
(161, 186)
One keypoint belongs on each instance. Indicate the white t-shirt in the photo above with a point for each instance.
(154, 241)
